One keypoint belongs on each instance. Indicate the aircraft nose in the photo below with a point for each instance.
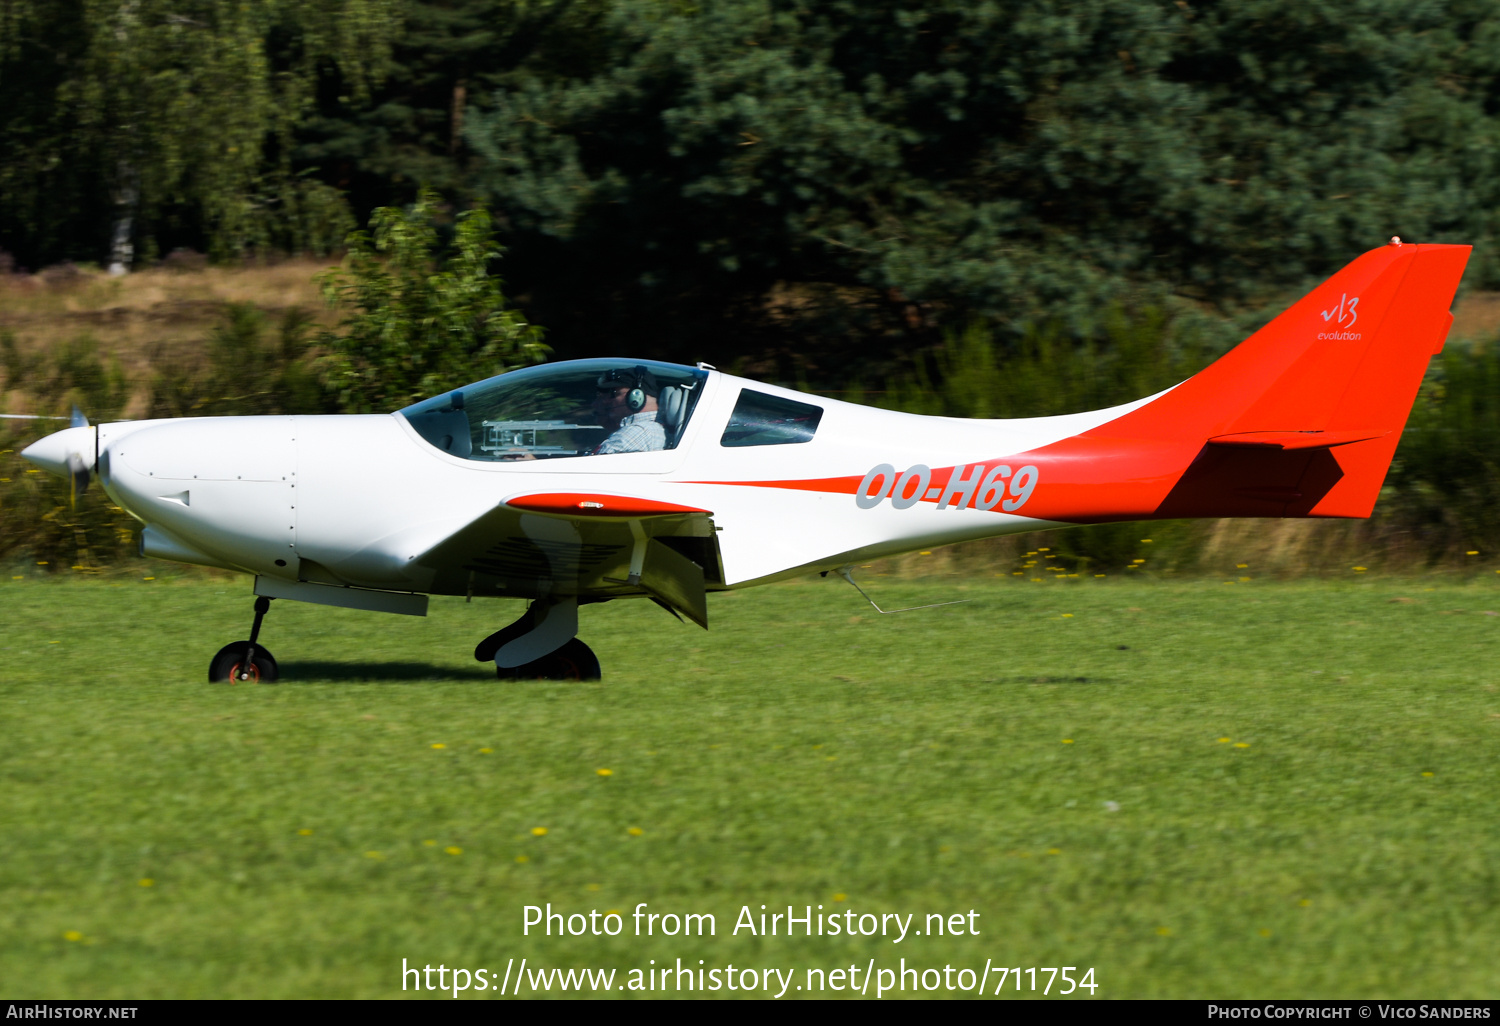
(63, 452)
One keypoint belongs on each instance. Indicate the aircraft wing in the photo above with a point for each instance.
(594, 545)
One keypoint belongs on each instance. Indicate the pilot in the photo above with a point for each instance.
(625, 403)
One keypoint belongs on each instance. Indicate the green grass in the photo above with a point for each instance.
(936, 761)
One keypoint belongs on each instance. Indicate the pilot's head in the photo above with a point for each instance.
(624, 391)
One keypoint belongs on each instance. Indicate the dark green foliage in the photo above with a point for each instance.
(1445, 482)
(416, 321)
(1046, 372)
(129, 128)
(824, 184)
(445, 63)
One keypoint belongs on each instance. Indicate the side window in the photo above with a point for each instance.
(760, 419)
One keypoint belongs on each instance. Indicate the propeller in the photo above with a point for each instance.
(69, 453)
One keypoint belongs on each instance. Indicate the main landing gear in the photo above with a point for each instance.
(245, 662)
(524, 645)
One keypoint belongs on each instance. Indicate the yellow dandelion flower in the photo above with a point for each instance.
(1242, 566)
(1360, 569)
(486, 751)
(605, 772)
(1098, 575)
(1224, 740)
(1241, 744)
(1137, 560)
(523, 858)
(1067, 740)
(440, 745)
(926, 552)
(72, 935)
(635, 831)
(1067, 616)
(1145, 541)
(146, 881)
(840, 896)
(1426, 773)
(1472, 552)
(148, 578)
(453, 849)
(539, 831)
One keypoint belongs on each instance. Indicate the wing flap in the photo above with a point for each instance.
(675, 580)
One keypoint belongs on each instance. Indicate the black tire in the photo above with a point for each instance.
(573, 661)
(225, 668)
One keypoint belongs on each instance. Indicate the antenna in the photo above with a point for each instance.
(847, 573)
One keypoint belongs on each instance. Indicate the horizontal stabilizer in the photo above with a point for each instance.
(1288, 440)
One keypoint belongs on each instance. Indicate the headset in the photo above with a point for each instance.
(637, 378)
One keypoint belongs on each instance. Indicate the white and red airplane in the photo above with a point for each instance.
(590, 480)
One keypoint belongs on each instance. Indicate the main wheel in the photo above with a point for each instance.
(573, 661)
(231, 667)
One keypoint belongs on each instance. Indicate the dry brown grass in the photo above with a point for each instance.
(150, 319)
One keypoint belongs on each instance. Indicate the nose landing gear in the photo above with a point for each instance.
(245, 662)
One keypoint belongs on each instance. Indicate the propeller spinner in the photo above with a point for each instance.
(69, 453)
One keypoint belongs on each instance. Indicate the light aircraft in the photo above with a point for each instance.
(589, 480)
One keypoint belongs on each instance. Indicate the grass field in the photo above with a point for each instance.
(1196, 789)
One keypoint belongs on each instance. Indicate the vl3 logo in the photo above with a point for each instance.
(1345, 315)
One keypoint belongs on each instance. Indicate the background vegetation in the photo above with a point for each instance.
(981, 209)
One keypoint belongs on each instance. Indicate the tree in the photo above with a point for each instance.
(449, 57)
(415, 325)
(825, 186)
(147, 121)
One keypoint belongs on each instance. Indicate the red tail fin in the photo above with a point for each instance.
(1300, 419)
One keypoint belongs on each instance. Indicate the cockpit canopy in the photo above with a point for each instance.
(574, 408)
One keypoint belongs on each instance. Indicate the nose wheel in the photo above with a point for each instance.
(245, 662)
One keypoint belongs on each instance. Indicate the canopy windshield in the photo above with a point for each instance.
(575, 408)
